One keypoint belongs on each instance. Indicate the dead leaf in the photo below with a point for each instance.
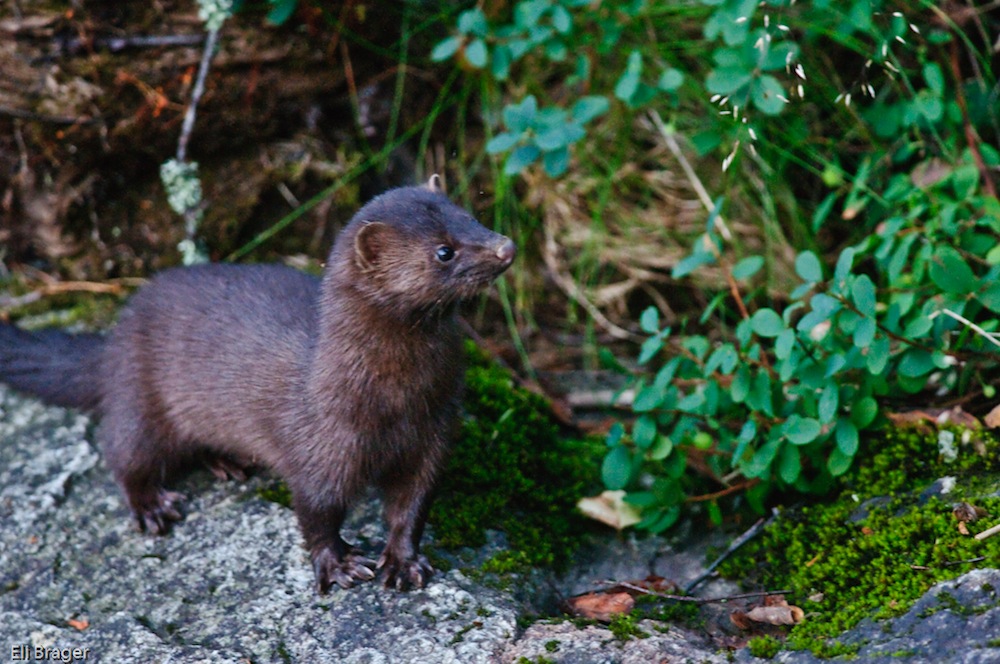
(78, 625)
(775, 615)
(600, 606)
(967, 512)
(610, 508)
(992, 418)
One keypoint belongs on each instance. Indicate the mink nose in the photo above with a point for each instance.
(506, 252)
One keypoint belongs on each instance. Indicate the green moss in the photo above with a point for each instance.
(551, 646)
(276, 492)
(764, 647)
(880, 546)
(512, 470)
(625, 626)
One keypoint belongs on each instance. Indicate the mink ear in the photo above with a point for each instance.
(435, 184)
(369, 243)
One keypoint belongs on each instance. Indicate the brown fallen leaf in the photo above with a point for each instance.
(600, 606)
(967, 512)
(78, 625)
(992, 419)
(610, 509)
(775, 611)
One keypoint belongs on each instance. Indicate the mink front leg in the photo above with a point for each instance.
(407, 503)
(333, 559)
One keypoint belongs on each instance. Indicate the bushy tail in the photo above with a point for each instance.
(60, 368)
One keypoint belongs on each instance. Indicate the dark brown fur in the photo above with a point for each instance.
(336, 385)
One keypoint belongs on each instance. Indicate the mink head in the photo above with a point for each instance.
(412, 251)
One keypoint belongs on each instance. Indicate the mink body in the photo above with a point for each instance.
(335, 384)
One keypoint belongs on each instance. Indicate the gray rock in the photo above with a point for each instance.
(954, 622)
(232, 583)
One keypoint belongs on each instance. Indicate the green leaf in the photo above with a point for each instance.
(847, 437)
(990, 296)
(501, 143)
(562, 20)
(500, 63)
(520, 117)
(748, 267)
(661, 449)
(727, 80)
(838, 463)
(476, 53)
(520, 159)
(670, 79)
(650, 347)
(863, 412)
(739, 389)
(649, 321)
(767, 95)
(950, 272)
(281, 11)
(648, 398)
(644, 431)
(801, 430)
(845, 262)
(747, 434)
(784, 344)
(628, 82)
(667, 518)
(915, 362)
(615, 434)
(616, 470)
(934, 78)
(878, 355)
(864, 333)
(689, 264)
(587, 108)
(863, 294)
(473, 21)
(767, 323)
(808, 267)
(829, 400)
(556, 162)
(446, 48)
(789, 464)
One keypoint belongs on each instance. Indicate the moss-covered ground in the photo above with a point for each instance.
(513, 470)
(889, 536)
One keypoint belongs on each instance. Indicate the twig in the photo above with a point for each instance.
(989, 532)
(701, 600)
(117, 44)
(752, 532)
(968, 323)
(199, 90)
(724, 492)
(576, 294)
(699, 188)
(971, 138)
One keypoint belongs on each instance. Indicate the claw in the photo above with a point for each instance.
(407, 574)
(351, 569)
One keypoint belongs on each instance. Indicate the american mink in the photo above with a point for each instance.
(335, 384)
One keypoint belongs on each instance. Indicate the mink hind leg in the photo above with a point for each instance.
(141, 462)
(334, 560)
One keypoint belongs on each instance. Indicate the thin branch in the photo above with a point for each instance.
(701, 600)
(752, 532)
(199, 90)
(992, 338)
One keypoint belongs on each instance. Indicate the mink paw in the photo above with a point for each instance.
(157, 513)
(353, 568)
(406, 574)
(226, 468)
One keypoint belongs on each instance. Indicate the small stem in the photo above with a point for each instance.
(199, 90)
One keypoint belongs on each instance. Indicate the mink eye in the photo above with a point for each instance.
(445, 253)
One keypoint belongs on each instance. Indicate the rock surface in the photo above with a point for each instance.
(233, 584)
